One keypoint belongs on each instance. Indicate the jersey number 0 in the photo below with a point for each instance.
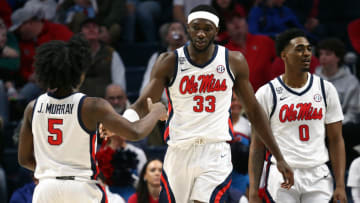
(56, 137)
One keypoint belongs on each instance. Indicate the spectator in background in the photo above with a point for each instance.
(25, 193)
(9, 53)
(146, 13)
(259, 50)
(226, 10)
(271, 17)
(106, 65)
(32, 31)
(148, 189)
(48, 7)
(117, 97)
(5, 12)
(81, 10)
(111, 197)
(182, 8)
(332, 68)
(241, 125)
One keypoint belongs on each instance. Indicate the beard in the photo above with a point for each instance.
(305, 69)
(205, 48)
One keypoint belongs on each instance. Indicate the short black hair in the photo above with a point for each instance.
(60, 64)
(284, 38)
(335, 45)
(204, 7)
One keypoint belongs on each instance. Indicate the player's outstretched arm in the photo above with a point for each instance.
(256, 114)
(256, 162)
(160, 77)
(98, 110)
(337, 157)
(26, 147)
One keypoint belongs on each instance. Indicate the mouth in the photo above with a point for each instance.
(200, 43)
(306, 61)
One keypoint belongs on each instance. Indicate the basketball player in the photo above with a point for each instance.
(199, 79)
(58, 139)
(303, 109)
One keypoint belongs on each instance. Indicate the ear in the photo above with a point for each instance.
(283, 55)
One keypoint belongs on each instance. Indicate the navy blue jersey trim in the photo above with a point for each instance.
(171, 113)
(104, 196)
(323, 91)
(32, 114)
(223, 185)
(227, 64)
(63, 97)
(203, 65)
(165, 187)
(80, 119)
(293, 92)
(267, 179)
(175, 69)
(274, 99)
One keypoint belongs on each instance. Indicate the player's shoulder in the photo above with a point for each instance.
(265, 89)
(236, 55)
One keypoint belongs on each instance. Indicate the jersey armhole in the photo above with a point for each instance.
(80, 118)
(33, 110)
(274, 98)
(228, 66)
(323, 91)
(176, 68)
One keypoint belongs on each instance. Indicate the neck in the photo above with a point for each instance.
(330, 70)
(95, 46)
(295, 79)
(201, 57)
(61, 92)
(154, 191)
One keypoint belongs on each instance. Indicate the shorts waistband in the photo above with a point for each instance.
(194, 142)
(75, 178)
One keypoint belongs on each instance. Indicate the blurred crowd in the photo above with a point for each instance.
(127, 36)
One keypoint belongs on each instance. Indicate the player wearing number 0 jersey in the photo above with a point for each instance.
(57, 138)
(303, 110)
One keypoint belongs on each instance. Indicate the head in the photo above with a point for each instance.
(62, 65)
(331, 52)
(175, 35)
(117, 97)
(237, 27)
(27, 22)
(3, 33)
(294, 49)
(91, 29)
(149, 177)
(203, 23)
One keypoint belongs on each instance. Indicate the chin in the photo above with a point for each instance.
(305, 69)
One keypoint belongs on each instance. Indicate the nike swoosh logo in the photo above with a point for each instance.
(222, 156)
(184, 69)
(282, 98)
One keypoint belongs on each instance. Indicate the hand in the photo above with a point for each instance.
(339, 195)
(105, 133)
(9, 52)
(287, 173)
(158, 106)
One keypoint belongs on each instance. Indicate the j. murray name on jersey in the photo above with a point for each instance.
(56, 108)
(300, 111)
(207, 84)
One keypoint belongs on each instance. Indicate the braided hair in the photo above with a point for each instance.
(60, 64)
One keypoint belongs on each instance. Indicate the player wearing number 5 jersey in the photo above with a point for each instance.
(58, 139)
(199, 79)
(302, 109)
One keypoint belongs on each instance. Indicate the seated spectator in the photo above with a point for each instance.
(226, 9)
(148, 189)
(81, 10)
(117, 98)
(9, 53)
(259, 50)
(332, 68)
(32, 31)
(106, 65)
(271, 17)
(48, 7)
(353, 180)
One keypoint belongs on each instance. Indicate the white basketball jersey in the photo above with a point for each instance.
(298, 117)
(62, 145)
(200, 98)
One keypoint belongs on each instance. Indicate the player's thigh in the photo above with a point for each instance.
(212, 184)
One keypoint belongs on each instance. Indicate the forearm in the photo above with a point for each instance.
(337, 157)
(263, 131)
(256, 162)
(146, 125)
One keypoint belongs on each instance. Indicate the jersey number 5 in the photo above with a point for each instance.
(200, 104)
(56, 137)
(304, 132)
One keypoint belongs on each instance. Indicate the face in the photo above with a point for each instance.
(3, 37)
(26, 31)
(223, 3)
(202, 33)
(91, 31)
(298, 54)
(235, 105)
(237, 27)
(176, 35)
(153, 173)
(328, 58)
(117, 98)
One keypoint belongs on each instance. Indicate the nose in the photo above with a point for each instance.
(307, 52)
(201, 34)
